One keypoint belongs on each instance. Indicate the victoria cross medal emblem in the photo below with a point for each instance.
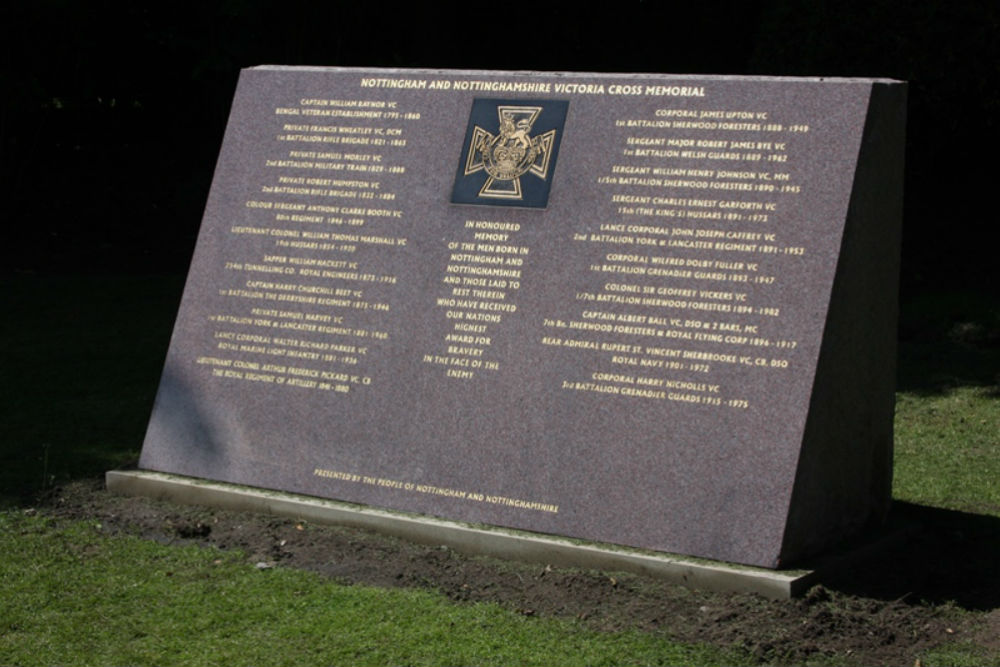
(510, 152)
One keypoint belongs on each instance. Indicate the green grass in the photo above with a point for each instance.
(959, 654)
(75, 596)
(948, 407)
(948, 450)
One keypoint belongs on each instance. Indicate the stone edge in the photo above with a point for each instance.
(466, 538)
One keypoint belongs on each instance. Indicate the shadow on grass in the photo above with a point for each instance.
(953, 557)
(949, 340)
(83, 358)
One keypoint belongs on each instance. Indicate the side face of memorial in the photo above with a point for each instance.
(599, 306)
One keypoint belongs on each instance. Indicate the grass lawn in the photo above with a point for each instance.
(948, 404)
(947, 450)
(78, 597)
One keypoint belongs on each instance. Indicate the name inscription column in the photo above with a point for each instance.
(303, 306)
(691, 259)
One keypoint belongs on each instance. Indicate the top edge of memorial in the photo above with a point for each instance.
(601, 75)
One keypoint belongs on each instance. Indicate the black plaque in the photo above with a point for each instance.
(657, 311)
(495, 161)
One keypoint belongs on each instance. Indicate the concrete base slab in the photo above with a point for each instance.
(477, 539)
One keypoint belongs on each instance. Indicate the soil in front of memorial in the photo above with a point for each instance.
(889, 611)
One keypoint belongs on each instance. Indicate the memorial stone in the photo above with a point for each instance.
(649, 310)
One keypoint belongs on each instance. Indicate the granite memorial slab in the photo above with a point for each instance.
(650, 310)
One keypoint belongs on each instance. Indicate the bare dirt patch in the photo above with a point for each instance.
(887, 611)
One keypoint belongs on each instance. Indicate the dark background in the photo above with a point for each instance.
(113, 112)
